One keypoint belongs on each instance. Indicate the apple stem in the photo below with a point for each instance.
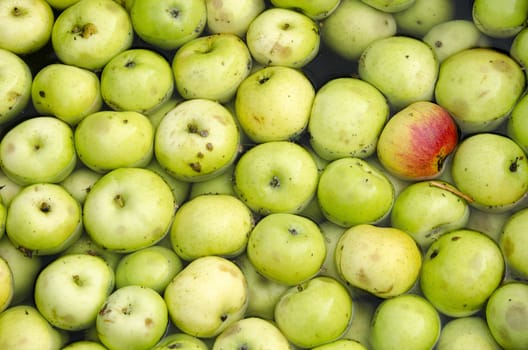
(448, 187)
(119, 200)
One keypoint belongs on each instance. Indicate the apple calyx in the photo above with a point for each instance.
(450, 188)
(18, 11)
(119, 201)
(85, 31)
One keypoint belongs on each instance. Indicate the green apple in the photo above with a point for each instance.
(507, 315)
(491, 169)
(460, 271)
(137, 80)
(211, 67)
(25, 25)
(197, 140)
(39, 149)
(489, 223)
(286, 248)
(407, 321)
(85, 245)
(207, 296)
(390, 5)
(180, 189)
(346, 119)
(284, 37)
(463, 333)
(479, 87)
(84, 281)
(341, 344)
(317, 10)
(276, 177)
(8, 189)
(512, 239)
(251, 333)
(220, 184)
(43, 219)
(24, 269)
(518, 47)
(7, 284)
(314, 312)
(404, 69)
(452, 36)
(19, 321)
(157, 114)
(353, 26)
(359, 330)
(132, 318)
(84, 345)
(3, 215)
(351, 192)
(62, 4)
(331, 233)
(428, 209)
(495, 19)
(89, 33)
(180, 341)
(211, 225)
(422, 15)
(128, 209)
(232, 16)
(80, 181)
(168, 24)
(274, 103)
(516, 125)
(107, 140)
(15, 85)
(67, 92)
(152, 267)
(384, 261)
(263, 293)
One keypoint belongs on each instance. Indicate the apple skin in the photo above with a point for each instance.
(351, 191)
(180, 189)
(128, 209)
(406, 321)
(197, 140)
(499, 21)
(284, 37)
(276, 177)
(39, 149)
(168, 24)
(317, 10)
(211, 225)
(44, 219)
(341, 344)
(85, 245)
(415, 142)
(491, 169)
(232, 16)
(84, 345)
(15, 87)
(314, 312)
(297, 244)
(346, 119)
(107, 140)
(462, 333)
(220, 184)
(181, 341)
(8, 188)
(507, 315)
(408, 74)
(211, 67)
(479, 87)
(90, 32)
(85, 282)
(384, 261)
(132, 318)
(19, 321)
(512, 238)
(67, 92)
(516, 125)
(460, 270)
(422, 15)
(137, 80)
(390, 6)
(80, 181)
(251, 333)
(7, 284)
(518, 48)
(207, 296)
(292, 94)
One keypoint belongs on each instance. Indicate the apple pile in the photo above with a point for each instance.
(263, 174)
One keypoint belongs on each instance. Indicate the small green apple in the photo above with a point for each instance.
(220, 184)
(499, 21)
(107, 140)
(181, 341)
(8, 189)
(460, 271)
(518, 48)
(383, 261)
(274, 103)
(180, 189)
(15, 85)
(7, 284)
(317, 10)
(85, 245)
(44, 219)
(61, 4)
(276, 177)
(417, 19)
(128, 209)
(232, 16)
(407, 321)
(80, 182)
(351, 192)
(84, 345)
(207, 296)
(211, 67)
(137, 80)
(390, 5)
(197, 140)
(39, 149)
(314, 312)
(489, 223)
(347, 117)
(211, 225)
(280, 36)
(463, 333)
(512, 239)
(359, 330)
(517, 125)
(286, 248)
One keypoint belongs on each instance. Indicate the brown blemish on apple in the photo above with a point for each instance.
(515, 314)
(196, 166)
(45, 207)
(209, 146)
(362, 276)
(85, 31)
(149, 323)
(515, 164)
(281, 50)
(433, 254)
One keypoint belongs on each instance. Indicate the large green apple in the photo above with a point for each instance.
(463, 333)
(15, 85)
(286, 248)
(460, 271)
(232, 16)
